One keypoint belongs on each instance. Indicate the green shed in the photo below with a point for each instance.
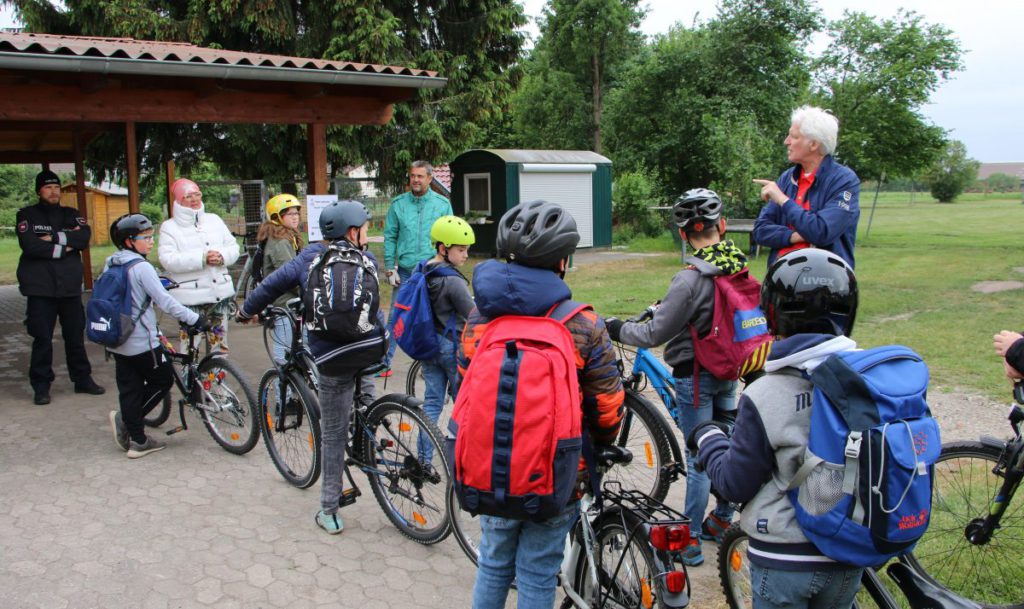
(487, 183)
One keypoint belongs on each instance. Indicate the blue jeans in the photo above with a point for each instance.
(440, 377)
(403, 275)
(715, 397)
(528, 552)
(775, 589)
(281, 339)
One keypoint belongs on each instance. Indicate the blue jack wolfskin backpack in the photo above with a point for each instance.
(864, 492)
(108, 316)
(412, 322)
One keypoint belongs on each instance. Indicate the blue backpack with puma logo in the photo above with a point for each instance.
(864, 492)
(108, 316)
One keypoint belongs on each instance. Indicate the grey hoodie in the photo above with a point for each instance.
(690, 301)
(145, 282)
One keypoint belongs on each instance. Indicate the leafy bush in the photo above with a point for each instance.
(154, 212)
(952, 172)
(633, 195)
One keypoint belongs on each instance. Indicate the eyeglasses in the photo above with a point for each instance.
(142, 238)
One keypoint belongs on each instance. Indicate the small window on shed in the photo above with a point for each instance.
(478, 193)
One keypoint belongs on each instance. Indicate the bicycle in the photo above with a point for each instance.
(289, 411)
(624, 551)
(919, 590)
(383, 439)
(973, 543)
(214, 388)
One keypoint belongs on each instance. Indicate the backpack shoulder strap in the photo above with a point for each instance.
(566, 310)
(146, 301)
(848, 391)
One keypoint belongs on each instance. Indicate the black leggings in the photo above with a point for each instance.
(142, 382)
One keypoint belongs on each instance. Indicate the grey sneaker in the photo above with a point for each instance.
(120, 433)
(151, 445)
(331, 523)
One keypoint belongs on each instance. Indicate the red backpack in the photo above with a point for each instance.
(518, 418)
(738, 341)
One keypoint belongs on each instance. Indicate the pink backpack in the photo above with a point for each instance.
(738, 341)
(518, 418)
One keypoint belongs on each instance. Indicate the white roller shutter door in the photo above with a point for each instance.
(573, 191)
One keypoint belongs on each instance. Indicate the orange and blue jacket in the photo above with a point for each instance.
(513, 289)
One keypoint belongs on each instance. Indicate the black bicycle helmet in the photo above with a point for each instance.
(127, 226)
(696, 209)
(810, 291)
(537, 234)
(339, 216)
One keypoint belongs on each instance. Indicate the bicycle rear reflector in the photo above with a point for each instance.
(675, 581)
(670, 537)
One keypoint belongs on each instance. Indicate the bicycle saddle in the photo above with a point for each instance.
(923, 594)
(608, 454)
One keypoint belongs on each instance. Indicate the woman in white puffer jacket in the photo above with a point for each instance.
(196, 249)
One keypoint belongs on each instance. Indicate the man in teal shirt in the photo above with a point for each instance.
(407, 228)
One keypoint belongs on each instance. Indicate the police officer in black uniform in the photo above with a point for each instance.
(50, 276)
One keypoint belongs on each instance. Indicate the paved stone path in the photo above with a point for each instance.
(82, 526)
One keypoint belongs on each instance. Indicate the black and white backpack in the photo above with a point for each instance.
(342, 295)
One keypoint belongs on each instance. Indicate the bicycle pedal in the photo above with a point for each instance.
(348, 496)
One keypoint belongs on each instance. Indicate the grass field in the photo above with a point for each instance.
(915, 271)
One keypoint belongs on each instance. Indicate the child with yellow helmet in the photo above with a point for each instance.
(279, 241)
(451, 303)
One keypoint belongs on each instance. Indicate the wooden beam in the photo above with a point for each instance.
(170, 182)
(316, 158)
(83, 209)
(133, 167)
(31, 157)
(40, 101)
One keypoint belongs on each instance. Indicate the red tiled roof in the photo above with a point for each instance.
(181, 52)
(443, 174)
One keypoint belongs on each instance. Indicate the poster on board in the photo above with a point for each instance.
(314, 205)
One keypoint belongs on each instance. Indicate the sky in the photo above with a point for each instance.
(981, 105)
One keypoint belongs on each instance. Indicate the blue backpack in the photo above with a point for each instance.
(412, 321)
(864, 492)
(108, 316)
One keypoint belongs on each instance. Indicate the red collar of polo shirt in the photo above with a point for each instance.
(802, 186)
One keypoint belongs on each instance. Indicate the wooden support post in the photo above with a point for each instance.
(133, 167)
(170, 182)
(79, 153)
(316, 158)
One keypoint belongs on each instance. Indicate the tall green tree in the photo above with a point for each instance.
(582, 46)
(875, 76)
(710, 105)
(475, 44)
(952, 172)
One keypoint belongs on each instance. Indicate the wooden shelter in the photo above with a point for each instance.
(60, 92)
(103, 205)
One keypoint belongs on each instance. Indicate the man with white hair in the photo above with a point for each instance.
(816, 202)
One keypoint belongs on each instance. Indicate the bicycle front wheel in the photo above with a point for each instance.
(645, 433)
(965, 484)
(734, 569)
(407, 467)
(465, 527)
(290, 427)
(229, 407)
(624, 562)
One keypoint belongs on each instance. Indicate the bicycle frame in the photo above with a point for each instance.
(1011, 467)
(187, 377)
